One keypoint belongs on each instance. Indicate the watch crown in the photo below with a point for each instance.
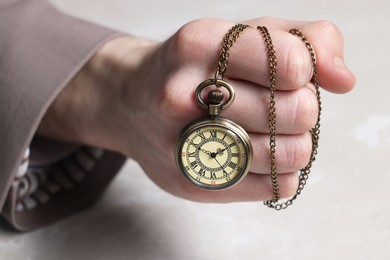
(215, 97)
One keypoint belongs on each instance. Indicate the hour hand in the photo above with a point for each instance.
(220, 151)
(203, 150)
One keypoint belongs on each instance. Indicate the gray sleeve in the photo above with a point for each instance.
(41, 49)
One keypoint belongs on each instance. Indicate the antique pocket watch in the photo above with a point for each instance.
(214, 152)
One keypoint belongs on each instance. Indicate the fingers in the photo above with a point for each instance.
(296, 111)
(258, 187)
(292, 153)
(333, 74)
(249, 60)
(253, 187)
(198, 44)
(328, 43)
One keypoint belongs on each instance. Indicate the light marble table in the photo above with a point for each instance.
(344, 213)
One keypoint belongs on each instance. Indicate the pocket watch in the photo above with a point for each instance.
(214, 152)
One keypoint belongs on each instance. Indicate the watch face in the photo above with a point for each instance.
(214, 154)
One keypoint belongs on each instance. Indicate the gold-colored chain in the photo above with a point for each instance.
(228, 41)
(315, 132)
(230, 38)
(272, 110)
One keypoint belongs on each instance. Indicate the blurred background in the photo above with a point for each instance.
(343, 213)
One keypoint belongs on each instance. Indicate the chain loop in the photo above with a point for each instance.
(315, 132)
(229, 39)
(272, 110)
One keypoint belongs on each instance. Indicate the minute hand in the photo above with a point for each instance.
(225, 173)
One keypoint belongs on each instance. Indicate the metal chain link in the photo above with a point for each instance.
(272, 110)
(229, 39)
(315, 132)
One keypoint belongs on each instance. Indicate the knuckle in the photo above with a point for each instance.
(288, 184)
(301, 151)
(182, 40)
(306, 110)
(327, 28)
(297, 152)
(188, 42)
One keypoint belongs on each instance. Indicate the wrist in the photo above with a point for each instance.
(90, 108)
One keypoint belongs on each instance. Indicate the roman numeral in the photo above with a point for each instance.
(225, 174)
(232, 165)
(201, 172)
(191, 154)
(213, 133)
(196, 145)
(193, 164)
(213, 175)
(201, 135)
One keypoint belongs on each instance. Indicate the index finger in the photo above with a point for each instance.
(328, 43)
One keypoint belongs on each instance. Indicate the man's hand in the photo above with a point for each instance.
(134, 96)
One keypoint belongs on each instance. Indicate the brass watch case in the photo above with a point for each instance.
(228, 126)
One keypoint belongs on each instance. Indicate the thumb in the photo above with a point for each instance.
(328, 43)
